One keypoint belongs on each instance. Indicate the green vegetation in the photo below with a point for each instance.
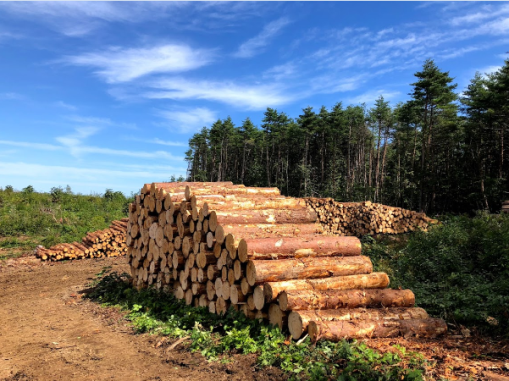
(217, 336)
(438, 152)
(458, 270)
(28, 218)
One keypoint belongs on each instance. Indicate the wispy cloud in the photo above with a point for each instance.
(371, 96)
(75, 141)
(76, 19)
(233, 93)
(122, 65)
(12, 96)
(66, 174)
(69, 143)
(256, 44)
(91, 120)
(66, 106)
(157, 141)
(187, 120)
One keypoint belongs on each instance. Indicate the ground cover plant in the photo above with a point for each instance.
(458, 270)
(216, 337)
(29, 218)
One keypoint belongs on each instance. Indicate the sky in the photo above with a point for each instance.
(105, 95)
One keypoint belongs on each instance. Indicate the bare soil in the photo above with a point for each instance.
(49, 332)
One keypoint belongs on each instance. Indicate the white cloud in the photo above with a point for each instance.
(187, 120)
(158, 141)
(76, 19)
(70, 143)
(249, 96)
(75, 141)
(99, 121)
(11, 96)
(122, 65)
(256, 44)
(68, 174)
(281, 72)
(371, 96)
(490, 69)
(41, 146)
(66, 106)
(487, 12)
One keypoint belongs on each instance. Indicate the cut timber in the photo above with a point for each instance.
(257, 203)
(339, 330)
(272, 230)
(276, 316)
(305, 268)
(268, 216)
(297, 247)
(298, 321)
(331, 299)
(271, 290)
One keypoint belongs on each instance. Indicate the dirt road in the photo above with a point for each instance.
(47, 332)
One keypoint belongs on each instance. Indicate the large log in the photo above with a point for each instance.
(305, 268)
(253, 231)
(271, 290)
(331, 299)
(268, 216)
(339, 330)
(298, 321)
(297, 247)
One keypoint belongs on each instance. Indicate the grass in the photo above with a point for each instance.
(50, 218)
(458, 270)
(217, 337)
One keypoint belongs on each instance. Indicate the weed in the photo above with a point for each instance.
(216, 336)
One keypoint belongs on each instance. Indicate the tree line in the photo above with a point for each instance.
(438, 152)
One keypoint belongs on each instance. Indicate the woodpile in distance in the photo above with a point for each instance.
(363, 218)
(110, 242)
(220, 246)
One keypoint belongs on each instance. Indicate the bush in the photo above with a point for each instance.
(458, 270)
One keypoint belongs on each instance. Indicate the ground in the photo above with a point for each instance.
(49, 332)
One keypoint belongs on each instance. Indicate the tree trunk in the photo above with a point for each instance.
(331, 299)
(339, 330)
(305, 268)
(349, 282)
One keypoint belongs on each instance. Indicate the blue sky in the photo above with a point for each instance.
(100, 95)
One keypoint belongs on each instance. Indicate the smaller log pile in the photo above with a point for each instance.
(110, 242)
(362, 218)
(505, 206)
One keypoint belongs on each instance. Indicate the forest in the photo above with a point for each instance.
(442, 151)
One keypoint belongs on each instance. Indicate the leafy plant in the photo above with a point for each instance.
(215, 337)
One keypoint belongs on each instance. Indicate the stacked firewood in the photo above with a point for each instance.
(505, 206)
(110, 242)
(220, 246)
(363, 218)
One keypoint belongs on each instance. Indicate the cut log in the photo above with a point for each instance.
(339, 330)
(298, 321)
(305, 268)
(268, 216)
(298, 247)
(277, 317)
(349, 282)
(331, 299)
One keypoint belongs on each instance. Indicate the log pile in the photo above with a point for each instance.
(110, 242)
(363, 218)
(220, 246)
(505, 207)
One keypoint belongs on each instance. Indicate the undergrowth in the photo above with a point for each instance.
(58, 216)
(458, 270)
(218, 336)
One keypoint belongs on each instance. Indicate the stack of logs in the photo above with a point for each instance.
(362, 218)
(219, 245)
(109, 242)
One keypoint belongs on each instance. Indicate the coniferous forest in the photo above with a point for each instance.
(441, 151)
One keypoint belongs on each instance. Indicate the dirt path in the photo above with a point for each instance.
(48, 333)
